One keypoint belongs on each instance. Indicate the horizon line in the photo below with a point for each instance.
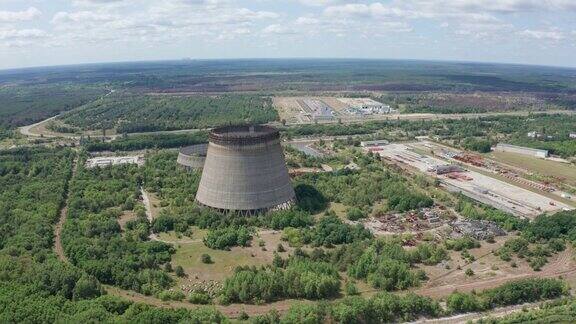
(186, 59)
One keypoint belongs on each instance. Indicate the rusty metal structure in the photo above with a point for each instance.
(245, 171)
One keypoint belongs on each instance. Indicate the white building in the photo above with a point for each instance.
(365, 106)
(534, 134)
(572, 135)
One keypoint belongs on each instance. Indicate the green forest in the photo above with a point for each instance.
(21, 105)
(137, 113)
(39, 287)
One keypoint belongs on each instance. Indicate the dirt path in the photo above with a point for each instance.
(148, 208)
(233, 310)
(563, 265)
(58, 248)
(495, 313)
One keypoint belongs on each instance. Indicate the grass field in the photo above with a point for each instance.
(559, 170)
(224, 262)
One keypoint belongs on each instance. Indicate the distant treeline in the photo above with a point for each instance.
(24, 105)
(140, 142)
(136, 113)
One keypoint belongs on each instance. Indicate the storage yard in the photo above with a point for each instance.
(478, 186)
(327, 109)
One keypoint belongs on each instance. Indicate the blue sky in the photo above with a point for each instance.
(53, 32)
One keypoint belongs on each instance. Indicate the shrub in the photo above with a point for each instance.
(206, 259)
(199, 297)
(351, 289)
(179, 271)
(463, 303)
(355, 214)
(224, 238)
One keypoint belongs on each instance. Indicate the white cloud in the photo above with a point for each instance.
(319, 3)
(22, 33)
(278, 29)
(306, 21)
(552, 35)
(158, 21)
(16, 16)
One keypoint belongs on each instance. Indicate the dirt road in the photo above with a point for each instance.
(563, 265)
(58, 248)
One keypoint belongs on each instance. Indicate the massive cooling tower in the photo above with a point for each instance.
(245, 171)
(192, 157)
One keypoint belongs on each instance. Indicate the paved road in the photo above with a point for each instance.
(27, 130)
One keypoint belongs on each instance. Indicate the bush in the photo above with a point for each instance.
(351, 289)
(87, 287)
(301, 278)
(206, 259)
(463, 243)
(171, 295)
(289, 218)
(355, 214)
(463, 303)
(469, 272)
(179, 271)
(199, 297)
(224, 238)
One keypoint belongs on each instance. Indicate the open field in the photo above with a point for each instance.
(562, 171)
(475, 185)
(188, 255)
(560, 265)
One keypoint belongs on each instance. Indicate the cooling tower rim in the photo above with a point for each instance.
(195, 150)
(243, 134)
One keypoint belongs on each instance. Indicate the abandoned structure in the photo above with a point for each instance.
(245, 171)
(192, 157)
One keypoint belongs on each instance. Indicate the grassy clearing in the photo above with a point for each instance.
(224, 262)
(545, 167)
(126, 216)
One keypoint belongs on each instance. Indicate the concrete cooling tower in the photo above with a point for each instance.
(245, 171)
(192, 157)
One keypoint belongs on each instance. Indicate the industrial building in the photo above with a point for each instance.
(193, 157)
(245, 171)
(316, 109)
(365, 106)
(374, 143)
(501, 147)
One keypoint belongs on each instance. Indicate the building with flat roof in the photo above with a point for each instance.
(365, 106)
(374, 143)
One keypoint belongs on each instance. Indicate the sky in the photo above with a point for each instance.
(61, 32)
